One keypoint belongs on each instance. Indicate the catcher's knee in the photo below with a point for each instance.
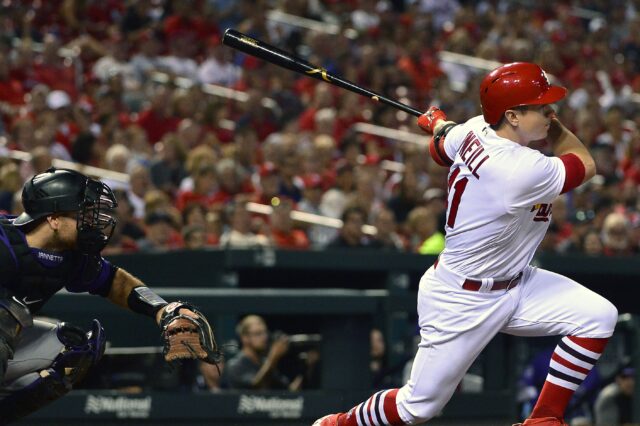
(14, 316)
(35, 389)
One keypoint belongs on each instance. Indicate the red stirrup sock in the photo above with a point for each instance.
(378, 410)
(571, 361)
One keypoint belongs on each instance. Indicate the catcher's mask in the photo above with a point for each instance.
(65, 190)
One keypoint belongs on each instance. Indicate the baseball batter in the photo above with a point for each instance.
(56, 243)
(499, 208)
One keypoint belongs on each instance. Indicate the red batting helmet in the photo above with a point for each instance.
(516, 84)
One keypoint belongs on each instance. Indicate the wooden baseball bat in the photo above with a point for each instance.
(264, 51)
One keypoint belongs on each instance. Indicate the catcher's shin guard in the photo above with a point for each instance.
(34, 390)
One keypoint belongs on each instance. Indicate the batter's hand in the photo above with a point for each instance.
(430, 119)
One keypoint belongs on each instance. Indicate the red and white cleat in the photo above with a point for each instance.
(543, 421)
(330, 420)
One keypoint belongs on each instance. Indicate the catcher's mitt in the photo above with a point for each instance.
(187, 336)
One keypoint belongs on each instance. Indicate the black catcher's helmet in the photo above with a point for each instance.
(65, 190)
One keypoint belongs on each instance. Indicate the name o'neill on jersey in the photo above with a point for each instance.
(471, 153)
(543, 212)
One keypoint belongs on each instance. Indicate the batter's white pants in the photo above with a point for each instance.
(456, 325)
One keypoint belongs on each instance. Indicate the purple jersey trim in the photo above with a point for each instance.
(100, 285)
(5, 239)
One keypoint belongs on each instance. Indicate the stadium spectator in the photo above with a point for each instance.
(408, 196)
(239, 233)
(425, 238)
(218, 67)
(319, 235)
(591, 243)
(158, 118)
(386, 236)
(159, 233)
(194, 237)
(256, 365)
(269, 183)
(614, 404)
(205, 184)
(232, 182)
(283, 233)
(616, 234)
(290, 183)
(351, 234)
(334, 200)
(10, 183)
(167, 168)
(140, 183)
(128, 231)
(12, 90)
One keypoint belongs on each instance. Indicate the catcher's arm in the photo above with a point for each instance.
(186, 332)
(121, 294)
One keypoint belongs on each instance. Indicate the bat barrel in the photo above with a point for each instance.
(262, 50)
(259, 49)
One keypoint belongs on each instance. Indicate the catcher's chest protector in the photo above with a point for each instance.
(24, 275)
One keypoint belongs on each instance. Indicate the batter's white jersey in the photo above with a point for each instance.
(500, 196)
(499, 202)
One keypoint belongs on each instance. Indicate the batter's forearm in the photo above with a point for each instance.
(565, 142)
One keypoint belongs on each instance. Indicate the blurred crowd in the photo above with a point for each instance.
(141, 87)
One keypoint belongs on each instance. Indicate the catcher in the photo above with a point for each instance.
(56, 243)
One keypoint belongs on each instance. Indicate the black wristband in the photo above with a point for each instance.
(144, 301)
(437, 139)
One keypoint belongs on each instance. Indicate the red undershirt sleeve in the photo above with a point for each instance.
(574, 172)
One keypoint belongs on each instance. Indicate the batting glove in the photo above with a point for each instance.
(429, 120)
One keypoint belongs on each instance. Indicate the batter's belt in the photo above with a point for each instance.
(476, 285)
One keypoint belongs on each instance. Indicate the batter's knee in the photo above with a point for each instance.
(603, 317)
(609, 316)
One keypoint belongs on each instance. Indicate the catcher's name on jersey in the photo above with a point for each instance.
(499, 201)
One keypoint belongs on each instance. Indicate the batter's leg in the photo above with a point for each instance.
(455, 325)
(551, 304)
